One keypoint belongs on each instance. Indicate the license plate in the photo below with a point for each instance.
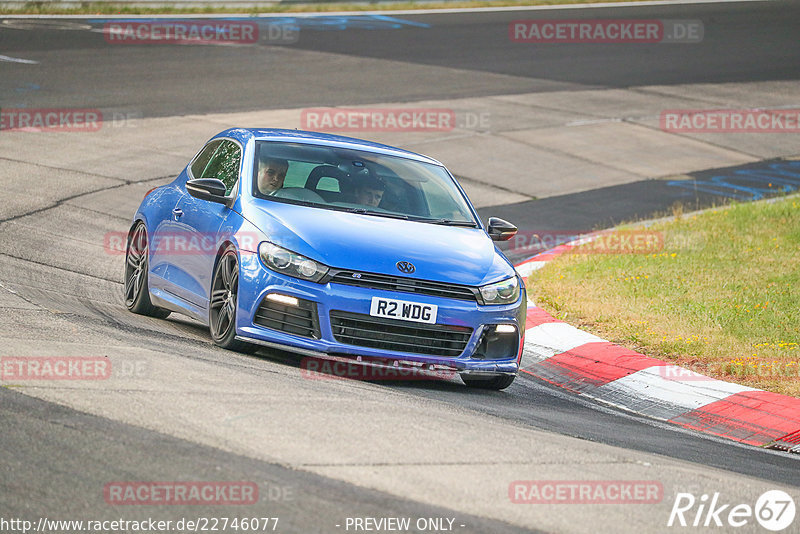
(403, 310)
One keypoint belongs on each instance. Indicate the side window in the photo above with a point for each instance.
(201, 161)
(224, 165)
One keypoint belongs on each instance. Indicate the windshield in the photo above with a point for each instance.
(358, 181)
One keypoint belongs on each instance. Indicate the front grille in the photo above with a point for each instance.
(387, 334)
(300, 320)
(404, 285)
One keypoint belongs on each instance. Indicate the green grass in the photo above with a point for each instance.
(109, 8)
(722, 297)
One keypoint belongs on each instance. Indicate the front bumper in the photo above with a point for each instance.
(256, 281)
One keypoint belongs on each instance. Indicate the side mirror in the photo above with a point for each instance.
(207, 189)
(500, 230)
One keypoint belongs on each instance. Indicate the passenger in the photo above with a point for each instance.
(271, 174)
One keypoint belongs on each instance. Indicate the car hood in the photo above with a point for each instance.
(375, 244)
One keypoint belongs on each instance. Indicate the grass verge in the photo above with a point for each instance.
(110, 8)
(721, 297)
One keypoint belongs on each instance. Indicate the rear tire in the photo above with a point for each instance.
(137, 290)
(495, 383)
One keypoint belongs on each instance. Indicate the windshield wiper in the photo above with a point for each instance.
(365, 211)
(295, 201)
(448, 222)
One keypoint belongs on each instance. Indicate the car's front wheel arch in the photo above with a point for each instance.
(223, 298)
(220, 251)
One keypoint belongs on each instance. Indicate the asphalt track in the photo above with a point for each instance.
(61, 445)
(742, 42)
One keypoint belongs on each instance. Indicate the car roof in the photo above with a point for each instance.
(317, 138)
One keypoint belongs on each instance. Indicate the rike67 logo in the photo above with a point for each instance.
(774, 510)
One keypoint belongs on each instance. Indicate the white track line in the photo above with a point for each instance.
(18, 60)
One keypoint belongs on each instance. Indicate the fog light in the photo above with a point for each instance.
(498, 342)
(283, 299)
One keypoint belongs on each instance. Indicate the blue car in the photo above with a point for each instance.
(331, 247)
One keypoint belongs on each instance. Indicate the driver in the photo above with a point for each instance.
(271, 174)
(369, 191)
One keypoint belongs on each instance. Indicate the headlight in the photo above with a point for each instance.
(503, 292)
(287, 262)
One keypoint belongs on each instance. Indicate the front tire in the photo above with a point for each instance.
(137, 290)
(495, 383)
(223, 302)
